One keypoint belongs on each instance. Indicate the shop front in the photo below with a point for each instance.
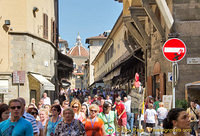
(3, 89)
(39, 84)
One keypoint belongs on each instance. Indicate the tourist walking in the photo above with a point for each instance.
(34, 112)
(150, 118)
(130, 116)
(177, 123)
(4, 112)
(16, 125)
(43, 115)
(94, 126)
(46, 99)
(162, 113)
(109, 118)
(76, 106)
(194, 117)
(29, 117)
(84, 110)
(53, 121)
(122, 117)
(69, 126)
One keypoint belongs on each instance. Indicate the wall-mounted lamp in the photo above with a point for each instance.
(35, 9)
(7, 22)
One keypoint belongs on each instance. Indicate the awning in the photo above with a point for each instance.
(47, 85)
(3, 86)
(191, 85)
(197, 83)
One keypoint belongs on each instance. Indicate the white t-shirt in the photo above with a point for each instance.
(150, 116)
(198, 107)
(127, 105)
(47, 100)
(162, 113)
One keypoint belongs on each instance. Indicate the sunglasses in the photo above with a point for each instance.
(34, 113)
(74, 106)
(14, 107)
(94, 111)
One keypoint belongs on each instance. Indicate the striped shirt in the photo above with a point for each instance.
(31, 119)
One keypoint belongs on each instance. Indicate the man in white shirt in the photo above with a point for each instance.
(46, 99)
(196, 105)
(108, 99)
(130, 116)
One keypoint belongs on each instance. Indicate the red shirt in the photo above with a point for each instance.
(100, 108)
(120, 108)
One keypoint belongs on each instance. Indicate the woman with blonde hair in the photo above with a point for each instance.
(33, 102)
(76, 106)
(94, 126)
(162, 113)
(43, 116)
(150, 117)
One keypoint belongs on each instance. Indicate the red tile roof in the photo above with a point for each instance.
(78, 51)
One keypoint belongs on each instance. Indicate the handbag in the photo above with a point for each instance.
(80, 130)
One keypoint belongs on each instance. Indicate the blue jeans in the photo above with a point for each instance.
(130, 121)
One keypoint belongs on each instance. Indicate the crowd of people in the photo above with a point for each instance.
(100, 113)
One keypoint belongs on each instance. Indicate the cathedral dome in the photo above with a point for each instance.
(78, 49)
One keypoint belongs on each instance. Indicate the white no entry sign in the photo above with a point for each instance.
(174, 50)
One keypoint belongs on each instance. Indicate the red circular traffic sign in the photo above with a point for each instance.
(174, 50)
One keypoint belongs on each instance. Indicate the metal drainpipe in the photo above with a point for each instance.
(56, 53)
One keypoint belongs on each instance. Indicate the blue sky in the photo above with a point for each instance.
(88, 17)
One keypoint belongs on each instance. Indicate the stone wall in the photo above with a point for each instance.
(23, 59)
(187, 24)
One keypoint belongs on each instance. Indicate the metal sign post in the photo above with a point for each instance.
(18, 89)
(173, 85)
(174, 50)
(175, 75)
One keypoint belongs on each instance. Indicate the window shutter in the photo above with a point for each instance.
(162, 85)
(55, 32)
(46, 27)
(52, 30)
(149, 85)
(43, 25)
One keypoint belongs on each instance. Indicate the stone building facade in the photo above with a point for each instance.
(95, 44)
(151, 23)
(114, 65)
(28, 38)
